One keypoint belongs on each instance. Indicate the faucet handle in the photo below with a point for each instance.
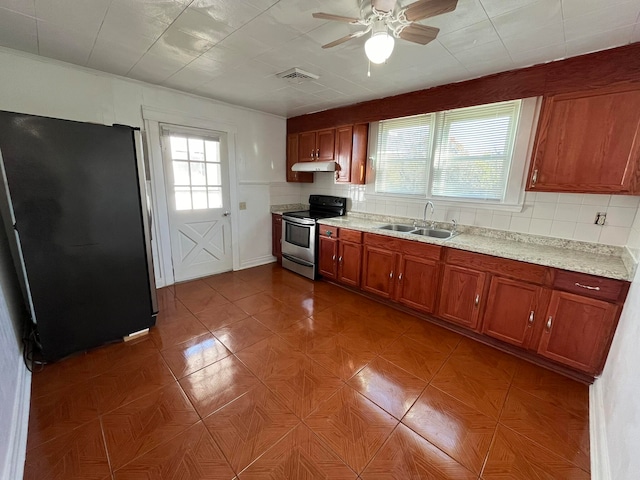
(454, 224)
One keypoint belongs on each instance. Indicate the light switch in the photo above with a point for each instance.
(243, 205)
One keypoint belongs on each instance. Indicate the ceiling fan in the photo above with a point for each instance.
(385, 19)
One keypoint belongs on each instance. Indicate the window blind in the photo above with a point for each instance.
(473, 151)
(403, 154)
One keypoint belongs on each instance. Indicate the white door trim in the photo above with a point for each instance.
(161, 232)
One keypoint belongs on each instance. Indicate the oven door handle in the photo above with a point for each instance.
(297, 260)
(299, 221)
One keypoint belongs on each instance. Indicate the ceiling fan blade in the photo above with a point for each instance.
(383, 5)
(344, 39)
(428, 8)
(417, 33)
(335, 18)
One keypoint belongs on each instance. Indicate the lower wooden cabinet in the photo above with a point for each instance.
(378, 270)
(566, 317)
(513, 307)
(461, 295)
(578, 331)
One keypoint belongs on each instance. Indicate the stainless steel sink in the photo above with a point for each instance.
(434, 232)
(398, 228)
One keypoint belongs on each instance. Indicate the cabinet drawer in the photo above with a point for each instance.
(527, 272)
(327, 231)
(350, 235)
(407, 247)
(591, 286)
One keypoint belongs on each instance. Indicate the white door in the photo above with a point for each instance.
(196, 170)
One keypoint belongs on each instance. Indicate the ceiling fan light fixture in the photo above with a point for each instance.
(379, 47)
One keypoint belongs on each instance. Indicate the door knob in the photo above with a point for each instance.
(226, 214)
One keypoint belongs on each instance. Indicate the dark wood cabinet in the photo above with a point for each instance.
(588, 142)
(306, 147)
(349, 263)
(328, 257)
(344, 145)
(351, 153)
(378, 270)
(276, 236)
(317, 146)
(461, 295)
(417, 285)
(292, 157)
(513, 308)
(578, 331)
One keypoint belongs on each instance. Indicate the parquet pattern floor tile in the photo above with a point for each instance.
(263, 374)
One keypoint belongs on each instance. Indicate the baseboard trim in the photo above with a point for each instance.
(17, 449)
(600, 467)
(256, 262)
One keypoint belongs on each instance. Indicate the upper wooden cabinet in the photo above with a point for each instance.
(587, 142)
(346, 145)
(292, 157)
(317, 146)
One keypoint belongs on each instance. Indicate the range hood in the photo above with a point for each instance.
(314, 167)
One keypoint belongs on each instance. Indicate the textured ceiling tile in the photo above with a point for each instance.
(74, 15)
(602, 20)
(195, 23)
(102, 57)
(498, 7)
(69, 46)
(19, 6)
(234, 14)
(548, 35)
(593, 42)
(540, 55)
(530, 17)
(164, 11)
(469, 37)
(18, 31)
(154, 69)
(466, 13)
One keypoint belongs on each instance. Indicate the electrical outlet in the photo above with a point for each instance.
(600, 218)
(243, 205)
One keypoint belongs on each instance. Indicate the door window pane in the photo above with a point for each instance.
(212, 150)
(213, 174)
(198, 176)
(183, 198)
(196, 149)
(179, 148)
(181, 173)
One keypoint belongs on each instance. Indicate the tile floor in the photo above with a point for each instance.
(262, 374)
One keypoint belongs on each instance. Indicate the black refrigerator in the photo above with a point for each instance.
(75, 216)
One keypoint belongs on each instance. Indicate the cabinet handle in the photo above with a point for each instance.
(313, 154)
(333, 258)
(329, 233)
(400, 277)
(549, 323)
(477, 300)
(531, 318)
(586, 286)
(339, 259)
(391, 274)
(534, 178)
(317, 153)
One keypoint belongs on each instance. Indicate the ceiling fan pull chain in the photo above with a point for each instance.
(369, 69)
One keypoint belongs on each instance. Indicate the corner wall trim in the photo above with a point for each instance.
(16, 452)
(600, 468)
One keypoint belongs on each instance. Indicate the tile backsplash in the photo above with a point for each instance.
(561, 215)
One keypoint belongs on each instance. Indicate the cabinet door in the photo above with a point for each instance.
(578, 331)
(359, 153)
(377, 271)
(349, 263)
(325, 145)
(276, 232)
(461, 295)
(327, 261)
(344, 141)
(417, 283)
(587, 142)
(292, 157)
(307, 147)
(512, 311)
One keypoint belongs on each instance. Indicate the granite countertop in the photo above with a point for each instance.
(594, 259)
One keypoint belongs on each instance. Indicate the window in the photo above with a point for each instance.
(466, 154)
(197, 172)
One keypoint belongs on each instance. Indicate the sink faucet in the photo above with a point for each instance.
(424, 215)
(454, 225)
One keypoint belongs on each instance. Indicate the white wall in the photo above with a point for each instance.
(562, 215)
(40, 86)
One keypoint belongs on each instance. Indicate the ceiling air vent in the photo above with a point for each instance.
(297, 76)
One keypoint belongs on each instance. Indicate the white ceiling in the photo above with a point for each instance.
(231, 50)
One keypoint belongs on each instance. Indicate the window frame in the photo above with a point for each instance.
(513, 199)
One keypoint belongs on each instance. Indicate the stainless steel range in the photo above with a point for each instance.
(299, 233)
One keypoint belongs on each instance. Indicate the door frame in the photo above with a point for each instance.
(161, 241)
